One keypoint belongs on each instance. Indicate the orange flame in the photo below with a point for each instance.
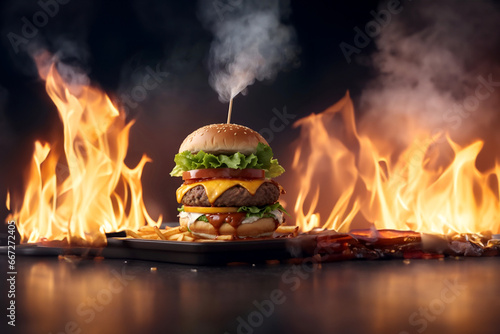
(87, 190)
(349, 179)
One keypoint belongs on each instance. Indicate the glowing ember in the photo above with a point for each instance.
(348, 178)
(79, 194)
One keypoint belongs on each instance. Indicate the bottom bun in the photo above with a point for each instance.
(259, 228)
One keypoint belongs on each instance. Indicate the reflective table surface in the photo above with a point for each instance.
(68, 295)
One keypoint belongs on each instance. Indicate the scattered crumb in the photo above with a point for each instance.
(406, 261)
(153, 269)
(194, 270)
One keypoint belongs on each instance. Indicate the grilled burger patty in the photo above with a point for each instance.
(268, 193)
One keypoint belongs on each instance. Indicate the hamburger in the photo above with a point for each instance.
(228, 188)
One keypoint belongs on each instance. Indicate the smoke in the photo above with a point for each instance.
(5, 133)
(31, 26)
(250, 43)
(74, 76)
(437, 68)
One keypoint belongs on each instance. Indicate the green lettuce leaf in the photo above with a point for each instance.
(261, 211)
(262, 159)
(202, 217)
(274, 169)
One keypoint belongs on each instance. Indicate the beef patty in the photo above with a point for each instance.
(267, 193)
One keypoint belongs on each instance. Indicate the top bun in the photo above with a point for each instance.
(223, 139)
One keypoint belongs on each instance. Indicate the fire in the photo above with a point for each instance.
(349, 178)
(82, 190)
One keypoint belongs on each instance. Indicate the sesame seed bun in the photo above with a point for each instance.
(223, 139)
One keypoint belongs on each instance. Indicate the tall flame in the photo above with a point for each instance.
(86, 190)
(348, 178)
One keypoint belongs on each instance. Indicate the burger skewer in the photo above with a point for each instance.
(230, 111)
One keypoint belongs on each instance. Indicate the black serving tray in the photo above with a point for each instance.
(183, 252)
(199, 253)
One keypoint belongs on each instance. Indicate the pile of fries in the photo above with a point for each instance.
(181, 233)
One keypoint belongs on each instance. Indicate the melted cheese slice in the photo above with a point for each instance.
(215, 188)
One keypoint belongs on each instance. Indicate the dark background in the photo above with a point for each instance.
(114, 41)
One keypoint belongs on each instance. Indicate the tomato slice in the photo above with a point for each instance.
(221, 173)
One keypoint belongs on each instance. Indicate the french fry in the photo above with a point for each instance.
(132, 234)
(142, 234)
(225, 237)
(159, 234)
(287, 229)
(150, 236)
(147, 228)
(180, 237)
(174, 236)
(188, 238)
(173, 231)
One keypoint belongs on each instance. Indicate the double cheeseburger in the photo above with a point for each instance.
(227, 189)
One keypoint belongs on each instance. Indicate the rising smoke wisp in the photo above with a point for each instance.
(250, 43)
(430, 61)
